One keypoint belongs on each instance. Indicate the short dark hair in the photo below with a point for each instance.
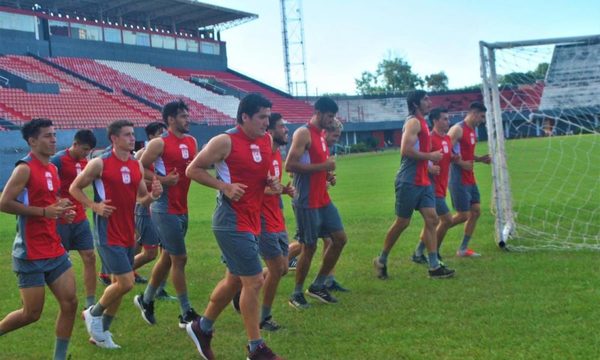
(326, 104)
(413, 100)
(115, 127)
(476, 105)
(32, 128)
(153, 128)
(172, 109)
(273, 119)
(85, 137)
(436, 113)
(251, 104)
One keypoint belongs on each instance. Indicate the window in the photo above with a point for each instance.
(209, 48)
(192, 45)
(17, 22)
(58, 28)
(86, 32)
(163, 42)
(142, 39)
(112, 35)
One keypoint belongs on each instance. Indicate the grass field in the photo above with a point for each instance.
(531, 305)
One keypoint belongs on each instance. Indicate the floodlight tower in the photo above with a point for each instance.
(293, 47)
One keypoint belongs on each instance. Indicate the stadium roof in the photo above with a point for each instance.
(183, 14)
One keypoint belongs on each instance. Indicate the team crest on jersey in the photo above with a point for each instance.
(78, 168)
(445, 146)
(472, 138)
(255, 153)
(49, 181)
(185, 153)
(323, 144)
(126, 175)
(276, 167)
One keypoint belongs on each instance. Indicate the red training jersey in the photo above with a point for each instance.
(68, 169)
(272, 206)
(444, 143)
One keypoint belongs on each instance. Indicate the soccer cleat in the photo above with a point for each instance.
(200, 338)
(321, 294)
(293, 263)
(336, 286)
(380, 269)
(262, 352)
(108, 343)
(467, 253)
(269, 324)
(147, 309)
(162, 294)
(93, 324)
(235, 302)
(298, 301)
(139, 279)
(187, 318)
(104, 279)
(441, 272)
(419, 259)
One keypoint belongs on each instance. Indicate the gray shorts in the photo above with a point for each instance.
(272, 245)
(410, 197)
(463, 196)
(147, 236)
(117, 260)
(239, 251)
(313, 223)
(36, 273)
(76, 236)
(441, 208)
(171, 231)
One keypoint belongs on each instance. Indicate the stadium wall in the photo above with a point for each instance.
(20, 42)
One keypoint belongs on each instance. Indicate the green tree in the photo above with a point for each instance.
(520, 78)
(437, 81)
(392, 76)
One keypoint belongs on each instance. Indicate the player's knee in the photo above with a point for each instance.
(69, 304)
(32, 314)
(339, 240)
(88, 258)
(309, 250)
(401, 223)
(126, 284)
(179, 261)
(475, 213)
(431, 220)
(150, 253)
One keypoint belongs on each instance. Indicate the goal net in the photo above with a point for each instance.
(543, 124)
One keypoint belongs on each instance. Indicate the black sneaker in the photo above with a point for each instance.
(321, 294)
(441, 272)
(293, 263)
(336, 286)
(188, 317)
(147, 309)
(162, 294)
(262, 352)
(298, 301)
(139, 279)
(380, 269)
(421, 259)
(269, 324)
(201, 339)
(235, 302)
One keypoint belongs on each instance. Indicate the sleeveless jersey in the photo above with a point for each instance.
(68, 169)
(272, 206)
(177, 154)
(465, 146)
(415, 171)
(248, 163)
(119, 183)
(444, 143)
(36, 237)
(312, 188)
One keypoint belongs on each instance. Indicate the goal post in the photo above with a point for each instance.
(546, 185)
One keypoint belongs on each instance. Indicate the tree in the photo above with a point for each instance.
(392, 76)
(437, 81)
(530, 77)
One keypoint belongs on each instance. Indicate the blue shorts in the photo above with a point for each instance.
(441, 208)
(313, 223)
(36, 273)
(239, 251)
(463, 196)
(171, 231)
(76, 236)
(272, 245)
(145, 229)
(117, 260)
(410, 197)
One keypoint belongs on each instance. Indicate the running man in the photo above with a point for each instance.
(167, 157)
(39, 258)
(463, 188)
(242, 158)
(413, 188)
(78, 234)
(118, 184)
(316, 215)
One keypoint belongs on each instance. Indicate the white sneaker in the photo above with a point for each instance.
(93, 324)
(108, 343)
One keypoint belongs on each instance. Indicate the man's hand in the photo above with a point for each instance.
(274, 184)
(486, 159)
(171, 178)
(434, 170)
(103, 208)
(329, 164)
(436, 156)
(234, 191)
(157, 188)
(58, 209)
(331, 178)
(289, 189)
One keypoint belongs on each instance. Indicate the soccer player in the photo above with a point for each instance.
(413, 188)
(439, 177)
(118, 183)
(169, 155)
(311, 164)
(242, 158)
(463, 188)
(78, 234)
(39, 258)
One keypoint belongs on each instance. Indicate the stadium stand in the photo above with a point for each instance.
(378, 109)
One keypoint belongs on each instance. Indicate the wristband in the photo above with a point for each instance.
(154, 198)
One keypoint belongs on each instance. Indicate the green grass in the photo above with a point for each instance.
(503, 305)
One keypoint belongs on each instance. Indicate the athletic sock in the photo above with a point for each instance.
(265, 312)
(298, 289)
(434, 262)
(97, 310)
(106, 321)
(319, 282)
(90, 300)
(465, 243)
(149, 294)
(2, 333)
(420, 250)
(253, 344)
(206, 325)
(184, 303)
(161, 287)
(60, 348)
(329, 280)
(383, 257)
